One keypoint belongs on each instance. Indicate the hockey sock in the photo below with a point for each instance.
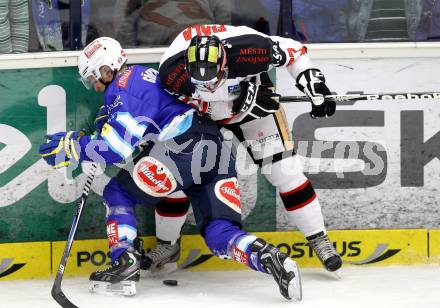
(240, 250)
(303, 209)
(170, 216)
(121, 230)
(121, 220)
(227, 240)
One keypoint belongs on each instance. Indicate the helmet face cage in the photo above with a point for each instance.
(103, 51)
(206, 62)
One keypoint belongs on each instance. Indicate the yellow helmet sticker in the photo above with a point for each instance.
(213, 54)
(191, 54)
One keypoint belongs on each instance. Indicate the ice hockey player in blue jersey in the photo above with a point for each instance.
(182, 152)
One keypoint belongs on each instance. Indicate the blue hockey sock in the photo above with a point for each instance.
(227, 239)
(240, 250)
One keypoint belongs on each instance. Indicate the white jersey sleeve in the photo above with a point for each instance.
(290, 54)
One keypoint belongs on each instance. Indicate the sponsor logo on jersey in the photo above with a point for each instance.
(253, 51)
(202, 30)
(228, 192)
(117, 102)
(177, 78)
(252, 59)
(153, 177)
(90, 50)
(150, 75)
(278, 55)
(239, 255)
(125, 77)
(264, 139)
(7, 269)
(112, 233)
(234, 89)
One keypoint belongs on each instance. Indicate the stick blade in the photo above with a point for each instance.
(61, 298)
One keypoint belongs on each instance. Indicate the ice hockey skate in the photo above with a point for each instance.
(162, 259)
(283, 269)
(120, 278)
(326, 253)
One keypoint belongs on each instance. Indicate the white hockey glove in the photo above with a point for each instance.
(312, 83)
(256, 101)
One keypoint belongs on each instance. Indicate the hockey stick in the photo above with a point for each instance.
(368, 97)
(57, 293)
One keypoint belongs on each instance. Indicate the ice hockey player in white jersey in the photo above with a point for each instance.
(219, 70)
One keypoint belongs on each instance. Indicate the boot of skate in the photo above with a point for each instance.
(163, 258)
(325, 251)
(120, 277)
(283, 269)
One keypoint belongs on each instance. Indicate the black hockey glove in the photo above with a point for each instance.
(257, 101)
(312, 83)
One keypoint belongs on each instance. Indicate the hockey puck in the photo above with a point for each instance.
(170, 282)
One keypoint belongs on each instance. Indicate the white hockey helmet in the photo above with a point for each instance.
(102, 51)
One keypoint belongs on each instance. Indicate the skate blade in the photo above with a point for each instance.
(337, 275)
(166, 269)
(125, 288)
(295, 285)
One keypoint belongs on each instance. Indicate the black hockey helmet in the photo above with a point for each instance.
(205, 60)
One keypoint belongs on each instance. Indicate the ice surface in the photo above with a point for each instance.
(372, 287)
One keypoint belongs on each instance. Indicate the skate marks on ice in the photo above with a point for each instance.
(380, 287)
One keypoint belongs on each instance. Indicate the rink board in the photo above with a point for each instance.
(434, 246)
(357, 247)
(25, 260)
(374, 164)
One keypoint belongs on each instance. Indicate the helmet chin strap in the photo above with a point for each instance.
(115, 73)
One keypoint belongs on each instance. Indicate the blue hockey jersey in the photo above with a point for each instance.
(136, 106)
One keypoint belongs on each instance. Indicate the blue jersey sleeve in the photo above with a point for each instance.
(129, 120)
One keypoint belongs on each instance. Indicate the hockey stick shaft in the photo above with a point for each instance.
(57, 293)
(368, 97)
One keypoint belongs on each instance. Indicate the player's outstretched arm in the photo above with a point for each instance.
(310, 80)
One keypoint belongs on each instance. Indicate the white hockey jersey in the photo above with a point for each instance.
(249, 53)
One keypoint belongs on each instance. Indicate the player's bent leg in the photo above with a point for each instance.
(121, 276)
(303, 209)
(227, 240)
(170, 217)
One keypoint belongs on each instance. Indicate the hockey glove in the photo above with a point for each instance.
(312, 83)
(101, 119)
(257, 101)
(62, 149)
